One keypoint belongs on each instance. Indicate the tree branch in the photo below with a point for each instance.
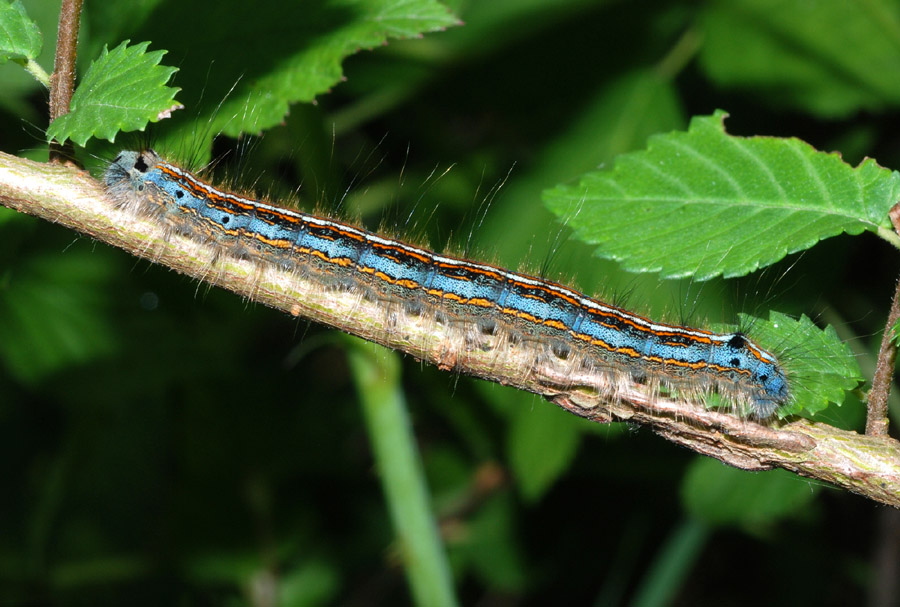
(62, 81)
(867, 465)
(877, 402)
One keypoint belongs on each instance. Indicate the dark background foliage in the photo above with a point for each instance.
(165, 442)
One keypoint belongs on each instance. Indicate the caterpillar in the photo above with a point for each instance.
(483, 305)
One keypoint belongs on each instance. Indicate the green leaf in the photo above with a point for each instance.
(297, 54)
(542, 442)
(490, 545)
(315, 582)
(18, 86)
(721, 495)
(316, 68)
(830, 58)
(820, 367)
(55, 315)
(20, 37)
(706, 203)
(618, 119)
(123, 90)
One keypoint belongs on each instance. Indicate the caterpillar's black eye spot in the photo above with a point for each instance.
(140, 165)
(763, 378)
(735, 362)
(225, 219)
(737, 342)
(140, 187)
(179, 194)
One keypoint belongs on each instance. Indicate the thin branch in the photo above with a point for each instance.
(877, 405)
(62, 81)
(877, 416)
(867, 465)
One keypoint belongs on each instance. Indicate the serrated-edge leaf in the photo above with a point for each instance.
(302, 76)
(820, 367)
(123, 90)
(20, 37)
(704, 203)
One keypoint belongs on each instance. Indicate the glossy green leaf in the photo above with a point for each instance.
(20, 37)
(123, 90)
(820, 367)
(618, 119)
(315, 69)
(705, 203)
(297, 55)
(18, 86)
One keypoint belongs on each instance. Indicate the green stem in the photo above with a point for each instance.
(672, 564)
(34, 68)
(376, 373)
(890, 236)
(680, 55)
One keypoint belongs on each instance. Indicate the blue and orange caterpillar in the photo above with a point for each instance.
(485, 298)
